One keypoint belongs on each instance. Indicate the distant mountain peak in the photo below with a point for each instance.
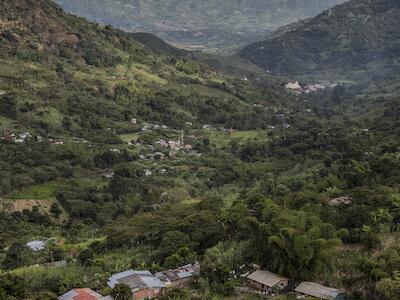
(353, 37)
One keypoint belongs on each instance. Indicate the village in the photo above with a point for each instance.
(298, 89)
(145, 284)
(154, 143)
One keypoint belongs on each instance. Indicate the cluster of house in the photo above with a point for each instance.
(150, 126)
(26, 136)
(308, 89)
(16, 137)
(143, 284)
(146, 285)
(159, 148)
(265, 283)
(174, 145)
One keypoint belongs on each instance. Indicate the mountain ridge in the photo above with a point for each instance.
(207, 24)
(76, 77)
(356, 36)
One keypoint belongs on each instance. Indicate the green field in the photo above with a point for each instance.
(222, 139)
(127, 138)
(39, 192)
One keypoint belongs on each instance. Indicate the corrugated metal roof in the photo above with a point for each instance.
(36, 245)
(81, 294)
(318, 290)
(69, 295)
(266, 277)
(136, 280)
(152, 282)
(187, 271)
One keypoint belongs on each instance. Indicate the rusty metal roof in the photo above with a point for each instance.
(318, 290)
(81, 294)
(266, 277)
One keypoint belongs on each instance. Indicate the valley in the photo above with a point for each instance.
(127, 162)
(216, 26)
(342, 43)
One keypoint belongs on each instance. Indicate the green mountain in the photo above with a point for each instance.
(358, 39)
(211, 24)
(60, 73)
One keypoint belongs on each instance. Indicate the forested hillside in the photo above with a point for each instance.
(212, 24)
(100, 71)
(358, 39)
(119, 151)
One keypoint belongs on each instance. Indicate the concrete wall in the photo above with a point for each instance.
(260, 287)
(256, 285)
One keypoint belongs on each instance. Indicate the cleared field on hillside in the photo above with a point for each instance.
(222, 139)
(37, 192)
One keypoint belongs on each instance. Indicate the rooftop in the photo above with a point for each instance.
(36, 245)
(187, 271)
(81, 294)
(318, 290)
(266, 277)
(136, 280)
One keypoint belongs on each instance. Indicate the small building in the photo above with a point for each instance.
(264, 281)
(188, 147)
(36, 246)
(83, 294)
(295, 87)
(180, 277)
(143, 284)
(319, 291)
(340, 201)
(173, 145)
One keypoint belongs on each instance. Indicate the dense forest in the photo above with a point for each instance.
(120, 151)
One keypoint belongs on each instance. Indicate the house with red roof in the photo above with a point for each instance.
(83, 294)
